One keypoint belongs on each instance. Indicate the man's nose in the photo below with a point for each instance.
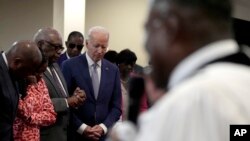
(99, 50)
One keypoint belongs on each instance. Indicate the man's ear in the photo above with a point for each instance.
(17, 63)
(40, 43)
(87, 43)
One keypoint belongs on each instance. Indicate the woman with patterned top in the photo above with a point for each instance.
(35, 108)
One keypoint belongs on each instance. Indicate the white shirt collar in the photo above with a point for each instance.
(91, 62)
(202, 56)
(5, 59)
(67, 55)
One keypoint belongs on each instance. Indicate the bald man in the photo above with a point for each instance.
(50, 41)
(21, 60)
(101, 82)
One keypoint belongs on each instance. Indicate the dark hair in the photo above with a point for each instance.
(111, 56)
(214, 9)
(74, 33)
(126, 56)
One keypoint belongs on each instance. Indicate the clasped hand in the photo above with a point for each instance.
(77, 98)
(94, 133)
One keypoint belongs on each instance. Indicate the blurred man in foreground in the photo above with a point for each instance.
(207, 76)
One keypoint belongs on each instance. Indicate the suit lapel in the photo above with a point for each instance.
(57, 68)
(104, 78)
(49, 80)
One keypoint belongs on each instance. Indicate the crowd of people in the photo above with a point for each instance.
(195, 87)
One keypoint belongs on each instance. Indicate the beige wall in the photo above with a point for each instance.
(20, 19)
(124, 19)
(242, 9)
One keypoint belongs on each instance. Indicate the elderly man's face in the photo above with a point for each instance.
(53, 47)
(97, 46)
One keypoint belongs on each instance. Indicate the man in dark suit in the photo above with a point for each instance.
(101, 82)
(74, 45)
(21, 60)
(49, 40)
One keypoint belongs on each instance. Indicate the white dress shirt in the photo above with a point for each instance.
(201, 103)
(5, 60)
(90, 65)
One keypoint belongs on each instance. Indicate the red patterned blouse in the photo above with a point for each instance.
(34, 111)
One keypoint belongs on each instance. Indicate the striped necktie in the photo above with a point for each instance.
(55, 77)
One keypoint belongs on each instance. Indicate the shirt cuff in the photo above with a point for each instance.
(67, 103)
(105, 129)
(81, 129)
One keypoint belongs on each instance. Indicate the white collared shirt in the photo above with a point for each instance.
(90, 65)
(204, 55)
(5, 60)
(201, 103)
(67, 55)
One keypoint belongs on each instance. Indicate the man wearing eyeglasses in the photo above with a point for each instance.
(50, 41)
(74, 45)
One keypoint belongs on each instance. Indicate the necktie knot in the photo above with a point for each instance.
(95, 65)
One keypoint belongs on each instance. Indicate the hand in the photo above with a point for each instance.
(80, 94)
(72, 101)
(98, 129)
(90, 134)
(77, 99)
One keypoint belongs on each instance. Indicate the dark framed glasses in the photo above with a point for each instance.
(56, 47)
(72, 46)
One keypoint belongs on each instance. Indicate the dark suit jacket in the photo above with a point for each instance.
(107, 108)
(62, 58)
(58, 131)
(8, 102)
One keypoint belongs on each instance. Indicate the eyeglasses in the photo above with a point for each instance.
(72, 46)
(56, 47)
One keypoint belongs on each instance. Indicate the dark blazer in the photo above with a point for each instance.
(8, 102)
(57, 131)
(107, 108)
(62, 58)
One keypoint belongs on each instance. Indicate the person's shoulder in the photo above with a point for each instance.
(73, 60)
(62, 57)
(108, 64)
(212, 81)
(63, 54)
